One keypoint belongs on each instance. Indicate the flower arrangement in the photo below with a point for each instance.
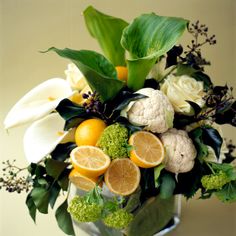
(129, 130)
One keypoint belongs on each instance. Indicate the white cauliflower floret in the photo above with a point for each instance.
(180, 151)
(154, 112)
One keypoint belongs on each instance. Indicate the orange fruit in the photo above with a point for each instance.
(148, 151)
(122, 177)
(90, 161)
(122, 73)
(81, 181)
(89, 131)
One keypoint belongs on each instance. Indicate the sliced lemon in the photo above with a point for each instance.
(148, 151)
(89, 161)
(81, 181)
(122, 177)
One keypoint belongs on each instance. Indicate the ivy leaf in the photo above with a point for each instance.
(100, 74)
(227, 193)
(107, 30)
(31, 207)
(64, 219)
(40, 197)
(62, 151)
(55, 168)
(167, 185)
(211, 137)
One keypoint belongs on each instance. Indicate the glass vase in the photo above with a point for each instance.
(156, 217)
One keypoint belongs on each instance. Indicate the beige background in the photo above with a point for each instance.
(27, 26)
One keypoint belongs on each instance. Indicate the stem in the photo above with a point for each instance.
(210, 168)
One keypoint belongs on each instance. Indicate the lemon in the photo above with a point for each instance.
(148, 150)
(89, 131)
(90, 161)
(122, 177)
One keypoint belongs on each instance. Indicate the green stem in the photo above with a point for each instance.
(210, 168)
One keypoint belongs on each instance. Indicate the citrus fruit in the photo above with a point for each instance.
(90, 161)
(81, 181)
(148, 150)
(122, 73)
(122, 177)
(89, 131)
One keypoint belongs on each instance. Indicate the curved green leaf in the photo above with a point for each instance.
(107, 30)
(147, 38)
(99, 72)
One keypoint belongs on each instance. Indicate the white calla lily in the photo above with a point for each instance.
(38, 102)
(43, 136)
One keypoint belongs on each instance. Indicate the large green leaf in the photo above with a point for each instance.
(147, 38)
(64, 219)
(99, 72)
(107, 30)
(40, 197)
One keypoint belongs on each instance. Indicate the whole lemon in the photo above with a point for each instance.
(89, 131)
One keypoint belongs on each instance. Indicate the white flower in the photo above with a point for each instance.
(154, 112)
(43, 136)
(75, 78)
(180, 151)
(39, 102)
(179, 89)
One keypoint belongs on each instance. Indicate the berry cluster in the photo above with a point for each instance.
(11, 180)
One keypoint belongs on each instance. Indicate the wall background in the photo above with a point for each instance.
(27, 27)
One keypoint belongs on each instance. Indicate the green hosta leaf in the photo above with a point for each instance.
(107, 30)
(55, 168)
(228, 192)
(147, 38)
(64, 219)
(167, 186)
(99, 72)
(40, 197)
(31, 207)
(154, 214)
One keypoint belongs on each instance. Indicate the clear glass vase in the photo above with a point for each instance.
(156, 217)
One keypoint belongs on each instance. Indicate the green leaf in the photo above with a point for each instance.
(40, 197)
(62, 151)
(63, 180)
(64, 219)
(55, 168)
(211, 137)
(167, 186)
(147, 38)
(228, 192)
(31, 206)
(154, 214)
(54, 192)
(99, 72)
(196, 136)
(157, 172)
(68, 110)
(133, 201)
(228, 169)
(107, 30)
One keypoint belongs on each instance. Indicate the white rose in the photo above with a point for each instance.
(181, 88)
(75, 77)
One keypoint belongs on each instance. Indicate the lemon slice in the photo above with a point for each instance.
(122, 177)
(89, 161)
(148, 151)
(81, 181)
